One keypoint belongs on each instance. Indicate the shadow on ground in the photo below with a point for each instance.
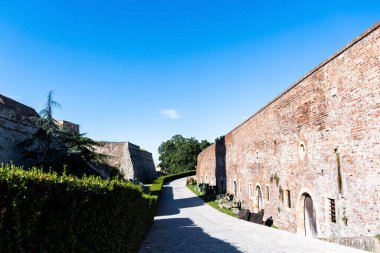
(177, 234)
(182, 235)
(170, 206)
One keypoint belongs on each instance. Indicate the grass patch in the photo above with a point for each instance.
(156, 187)
(210, 200)
(378, 236)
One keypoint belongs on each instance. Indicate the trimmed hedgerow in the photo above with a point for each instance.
(47, 212)
(156, 187)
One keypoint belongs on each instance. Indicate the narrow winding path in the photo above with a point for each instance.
(184, 223)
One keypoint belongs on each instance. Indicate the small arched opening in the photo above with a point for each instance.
(302, 151)
(259, 199)
(235, 189)
(306, 216)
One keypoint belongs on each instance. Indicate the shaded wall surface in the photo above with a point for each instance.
(130, 160)
(318, 139)
(15, 127)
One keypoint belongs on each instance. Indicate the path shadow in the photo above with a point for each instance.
(181, 235)
(169, 206)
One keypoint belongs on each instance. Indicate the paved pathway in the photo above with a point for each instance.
(184, 223)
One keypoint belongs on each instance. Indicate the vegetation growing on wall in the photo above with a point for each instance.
(340, 184)
(281, 194)
(47, 212)
(276, 178)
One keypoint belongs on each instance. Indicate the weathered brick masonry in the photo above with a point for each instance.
(311, 157)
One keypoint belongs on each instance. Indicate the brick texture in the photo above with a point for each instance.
(320, 138)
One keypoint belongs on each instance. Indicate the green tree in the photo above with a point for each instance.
(180, 154)
(43, 147)
(82, 150)
(53, 146)
(204, 144)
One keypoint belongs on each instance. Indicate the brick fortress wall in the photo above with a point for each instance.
(320, 139)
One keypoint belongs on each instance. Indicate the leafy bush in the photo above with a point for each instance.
(180, 154)
(156, 187)
(47, 212)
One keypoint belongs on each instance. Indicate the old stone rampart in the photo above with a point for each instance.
(15, 127)
(130, 160)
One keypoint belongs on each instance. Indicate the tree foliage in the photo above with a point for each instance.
(180, 154)
(53, 146)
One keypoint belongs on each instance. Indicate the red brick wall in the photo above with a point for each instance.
(334, 112)
(206, 165)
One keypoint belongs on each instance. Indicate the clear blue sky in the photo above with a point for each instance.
(142, 71)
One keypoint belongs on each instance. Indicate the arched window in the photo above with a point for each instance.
(250, 190)
(259, 199)
(302, 151)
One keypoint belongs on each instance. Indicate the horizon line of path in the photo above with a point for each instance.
(185, 223)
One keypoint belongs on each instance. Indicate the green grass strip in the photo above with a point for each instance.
(210, 200)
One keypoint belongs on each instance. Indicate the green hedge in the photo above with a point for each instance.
(45, 212)
(156, 187)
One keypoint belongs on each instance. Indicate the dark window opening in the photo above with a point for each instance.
(332, 210)
(289, 204)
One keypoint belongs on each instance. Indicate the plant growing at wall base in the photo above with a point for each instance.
(81, 149)
(210, 200)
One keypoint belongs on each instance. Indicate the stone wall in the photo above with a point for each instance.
(318, 140)
(15, 127)
(68, 125)
(130, 160)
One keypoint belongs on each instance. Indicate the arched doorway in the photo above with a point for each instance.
(306, 216)
(259, 199)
